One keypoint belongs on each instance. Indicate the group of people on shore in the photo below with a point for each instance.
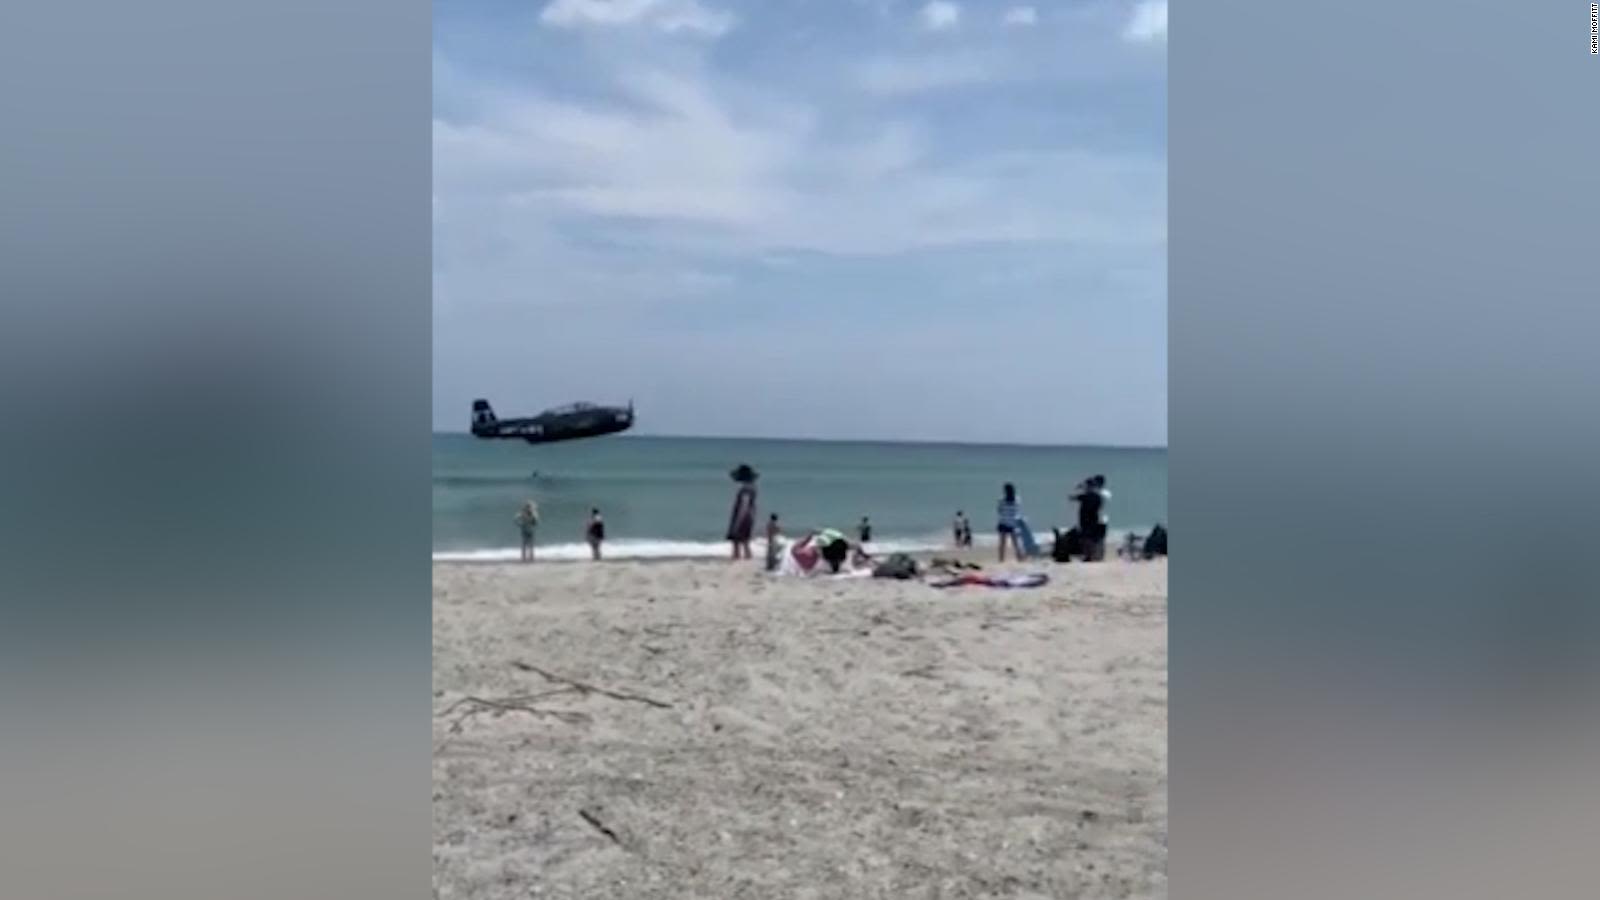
(527, 519)
(1091, 496)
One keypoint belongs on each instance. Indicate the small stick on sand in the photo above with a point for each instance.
(600, 827)
(589, 688)
(921, 671)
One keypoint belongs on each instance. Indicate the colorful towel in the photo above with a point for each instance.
(1023, 580)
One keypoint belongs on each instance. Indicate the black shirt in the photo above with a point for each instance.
(1089, 505)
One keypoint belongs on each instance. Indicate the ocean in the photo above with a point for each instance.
(670, 497)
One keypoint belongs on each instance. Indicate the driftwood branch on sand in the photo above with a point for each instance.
(584, 688)
(478, 705)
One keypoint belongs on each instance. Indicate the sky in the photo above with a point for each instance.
(836, 219)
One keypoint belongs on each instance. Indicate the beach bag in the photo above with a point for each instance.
(898, 566)
(1068, 545)
(1156, 544)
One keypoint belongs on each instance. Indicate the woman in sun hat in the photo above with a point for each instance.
(742, 520)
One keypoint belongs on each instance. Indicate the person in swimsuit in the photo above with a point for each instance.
(961, 529)
(773, 533)
(742, 519)
(527, 521)
(865, 531)
(596, 533)
(1009, 512)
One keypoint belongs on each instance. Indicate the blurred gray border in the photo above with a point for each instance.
(215, 278)
(1382, 360)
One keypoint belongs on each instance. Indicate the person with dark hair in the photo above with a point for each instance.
(835, 548)
(865, 532)
(596, 533)
(1103, 525)
(742, 520)
(773, 533)
(1009, 513)
(1090, 496)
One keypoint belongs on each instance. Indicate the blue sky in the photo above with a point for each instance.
(805, 218)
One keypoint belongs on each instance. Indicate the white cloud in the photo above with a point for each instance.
(679, 172)
(682, 157)
(672, 16)
(1149, 22)
(1021, 15)
(940, 15)
(682, 166)
(900, 76)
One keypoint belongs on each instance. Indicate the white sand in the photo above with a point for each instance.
(862, 738)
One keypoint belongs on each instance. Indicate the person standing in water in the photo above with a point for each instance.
(596, 533)
(1009, 513)
(742, 520)
(961, 529)
(527, 521)
(865, 531)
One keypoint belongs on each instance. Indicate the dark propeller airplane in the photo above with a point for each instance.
(564, 423)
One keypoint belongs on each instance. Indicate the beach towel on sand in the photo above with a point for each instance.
(1022, 580)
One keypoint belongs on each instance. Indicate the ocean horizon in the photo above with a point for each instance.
(668, 496)
(636, 434)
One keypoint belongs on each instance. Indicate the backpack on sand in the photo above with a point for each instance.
(898, 566)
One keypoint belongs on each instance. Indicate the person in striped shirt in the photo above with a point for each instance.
(1009, 513)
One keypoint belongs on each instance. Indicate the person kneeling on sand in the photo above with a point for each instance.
(836, 548)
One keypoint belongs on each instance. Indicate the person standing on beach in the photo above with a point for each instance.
(1103, 519)
(963, 539)
(742, 520)
(865, 531)
(596, 533)
(1009, 513)
(527, 521)
(773, 533)
(1091, 498)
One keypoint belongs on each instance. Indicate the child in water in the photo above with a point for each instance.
(962, 530)
(596, 532)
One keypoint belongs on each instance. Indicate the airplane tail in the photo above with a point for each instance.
(482, 415)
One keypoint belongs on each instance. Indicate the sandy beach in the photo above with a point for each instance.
(699, 729)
